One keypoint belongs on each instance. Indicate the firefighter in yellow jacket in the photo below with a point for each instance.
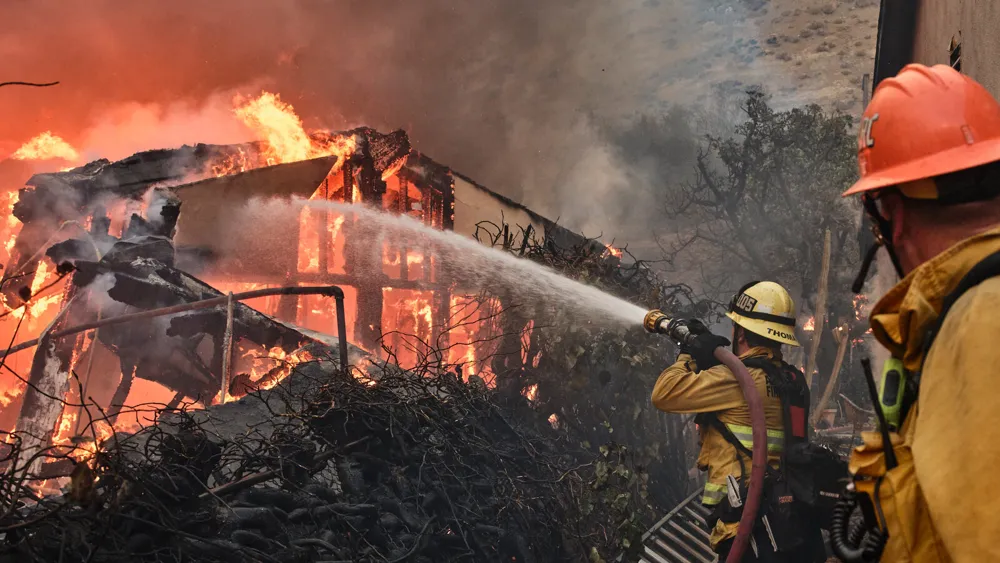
(763, 316)
(929, 156)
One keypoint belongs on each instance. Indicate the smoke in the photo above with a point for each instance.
(132, 127)
(884, 279)
(515, 94)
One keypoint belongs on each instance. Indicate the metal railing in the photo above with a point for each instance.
(681, 536)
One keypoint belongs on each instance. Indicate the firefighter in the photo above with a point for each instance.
(929, 160)
(763, 317)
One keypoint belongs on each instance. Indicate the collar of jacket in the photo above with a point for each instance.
(761, 351)
(900, 319)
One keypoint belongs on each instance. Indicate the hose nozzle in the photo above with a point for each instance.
(656, 322)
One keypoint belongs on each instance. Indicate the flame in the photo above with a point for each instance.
(531, 392)
(276, 123)
(234, 164)
(40, 305)
(612, 251)
(9, 395)
(46, 146)
(554, 421)
(360, 371)
(860, 307)
(810, 325)
(526, 344)
(267, 369)
(285, 139)
(308, 260)
(66, 426)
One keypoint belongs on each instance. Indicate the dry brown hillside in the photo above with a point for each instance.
(802, 50)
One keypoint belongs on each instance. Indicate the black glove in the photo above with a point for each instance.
(694, 327)
(702, 349)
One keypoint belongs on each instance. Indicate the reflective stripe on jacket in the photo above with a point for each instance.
(942, 503)
(682, 389)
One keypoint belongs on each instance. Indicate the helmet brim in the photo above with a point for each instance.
(774, 331)
(952, 160)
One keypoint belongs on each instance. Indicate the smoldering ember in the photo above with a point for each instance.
(212, 358)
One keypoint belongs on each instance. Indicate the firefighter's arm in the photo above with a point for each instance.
(681, 389)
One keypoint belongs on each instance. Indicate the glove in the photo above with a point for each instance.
(702, 349)
(694, 327)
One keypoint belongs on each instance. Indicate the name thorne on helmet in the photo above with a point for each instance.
(778, 333)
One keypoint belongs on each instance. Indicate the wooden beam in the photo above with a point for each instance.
(819, 313)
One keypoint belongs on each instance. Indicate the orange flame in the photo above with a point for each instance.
(531, 393)
(40, 305)
(267, 369)
(612, 251)
(239, 162)
(277, 122)
(810, 324)
(46, 146)
(287, 141)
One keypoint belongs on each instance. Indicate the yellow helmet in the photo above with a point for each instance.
(766, 309)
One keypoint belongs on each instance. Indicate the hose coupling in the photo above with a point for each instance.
(656, 322)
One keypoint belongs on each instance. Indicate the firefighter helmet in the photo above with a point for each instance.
(765, 308)
(925, 122)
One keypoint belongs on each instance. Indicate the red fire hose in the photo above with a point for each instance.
(656, 321)
(759, 462)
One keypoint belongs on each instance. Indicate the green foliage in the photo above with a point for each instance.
(618, 494)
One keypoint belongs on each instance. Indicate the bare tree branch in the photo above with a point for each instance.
(35, 84)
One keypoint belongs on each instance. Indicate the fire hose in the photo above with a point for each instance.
(657, 322)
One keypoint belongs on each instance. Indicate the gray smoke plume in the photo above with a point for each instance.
(515, 94)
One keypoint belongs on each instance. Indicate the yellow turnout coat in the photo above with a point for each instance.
(942, 503)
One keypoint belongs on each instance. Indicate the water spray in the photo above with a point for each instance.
(657, 322)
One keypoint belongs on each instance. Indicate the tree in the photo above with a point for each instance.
(758, 202)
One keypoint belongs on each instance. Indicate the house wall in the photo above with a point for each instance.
(473, 204)
(976, 23)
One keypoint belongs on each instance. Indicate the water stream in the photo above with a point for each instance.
(476, 266)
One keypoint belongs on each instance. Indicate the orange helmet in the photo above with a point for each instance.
(925, 122)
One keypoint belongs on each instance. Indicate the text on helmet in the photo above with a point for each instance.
(779, 334)
(865, 139)
(746, 302)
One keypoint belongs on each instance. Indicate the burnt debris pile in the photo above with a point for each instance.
(388, 465)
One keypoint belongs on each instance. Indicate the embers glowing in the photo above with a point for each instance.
(234, 164)
(46, 146)
(267, 368)
(531, 392)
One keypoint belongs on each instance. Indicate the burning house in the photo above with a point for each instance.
(167, 227)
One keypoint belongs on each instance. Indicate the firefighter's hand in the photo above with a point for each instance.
(702, 349)
(694, 326)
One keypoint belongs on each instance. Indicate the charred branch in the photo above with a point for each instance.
(34, 84)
